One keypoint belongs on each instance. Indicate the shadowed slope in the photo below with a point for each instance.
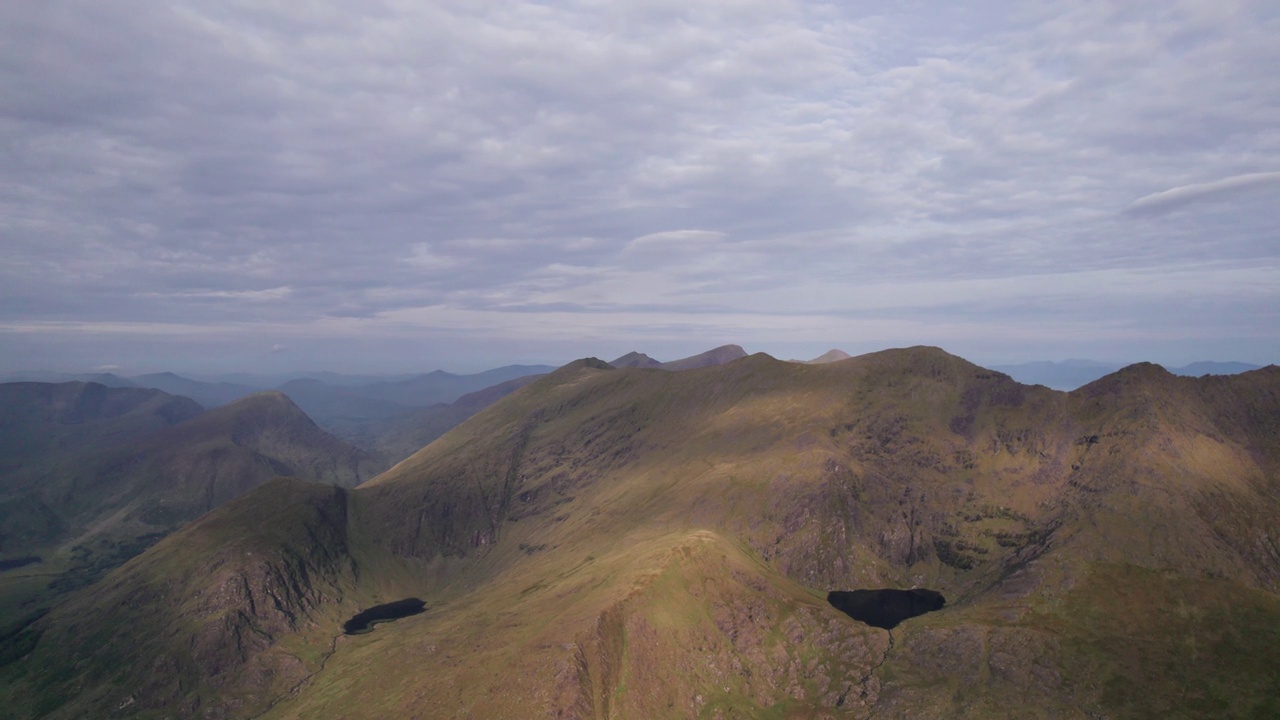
(193, 626)
(125, 490)
(46, 433)
(194, 467)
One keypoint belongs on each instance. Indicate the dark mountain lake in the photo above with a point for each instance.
(364, 621)
(885, 608)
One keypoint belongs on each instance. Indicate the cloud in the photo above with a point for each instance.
(265, 295)
(318, 169)
(1174, 198)
(675, 241)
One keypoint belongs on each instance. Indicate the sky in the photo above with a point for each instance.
(400, 186)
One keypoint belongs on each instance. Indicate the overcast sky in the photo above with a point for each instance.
(410, 185)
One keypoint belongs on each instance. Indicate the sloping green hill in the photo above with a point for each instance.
(45, 432)
(631, 543)
(103, 473)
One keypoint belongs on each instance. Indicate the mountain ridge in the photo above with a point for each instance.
(621, 543)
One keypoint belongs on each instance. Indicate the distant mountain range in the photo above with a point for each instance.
(710, 358)
(322, 393)
(1071, 374)
(340, 403)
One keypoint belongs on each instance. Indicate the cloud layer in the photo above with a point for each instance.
(396, 185)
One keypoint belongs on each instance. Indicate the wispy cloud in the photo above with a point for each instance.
(1174, 198)
(264, 295)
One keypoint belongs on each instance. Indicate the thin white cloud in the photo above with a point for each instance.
(1173, 198)
(423, 257)
(265, 295)
(675, 241)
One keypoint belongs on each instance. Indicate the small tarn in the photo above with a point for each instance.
(364, 621)
(885, 608)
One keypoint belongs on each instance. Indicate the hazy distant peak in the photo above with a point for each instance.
(716, 356)
(266, 396)
(157, 376)
(1146, 368)
(1209, 367)
(830, 356)
(303, 383)
(271, 401)
(635, 359)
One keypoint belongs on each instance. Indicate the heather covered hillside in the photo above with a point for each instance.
(635, 543)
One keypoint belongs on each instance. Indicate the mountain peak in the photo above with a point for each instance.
(1129, 375)
(588, 363)
(266, 398)
(715, 356)
(830, 356)
(635, 359)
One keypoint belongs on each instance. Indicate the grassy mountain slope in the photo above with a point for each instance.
(627, 543)
(45, 431)
(109, 497)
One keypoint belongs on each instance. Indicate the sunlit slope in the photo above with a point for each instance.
(646, 626)
(630, 543)
(840, 475)
(901, 468)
